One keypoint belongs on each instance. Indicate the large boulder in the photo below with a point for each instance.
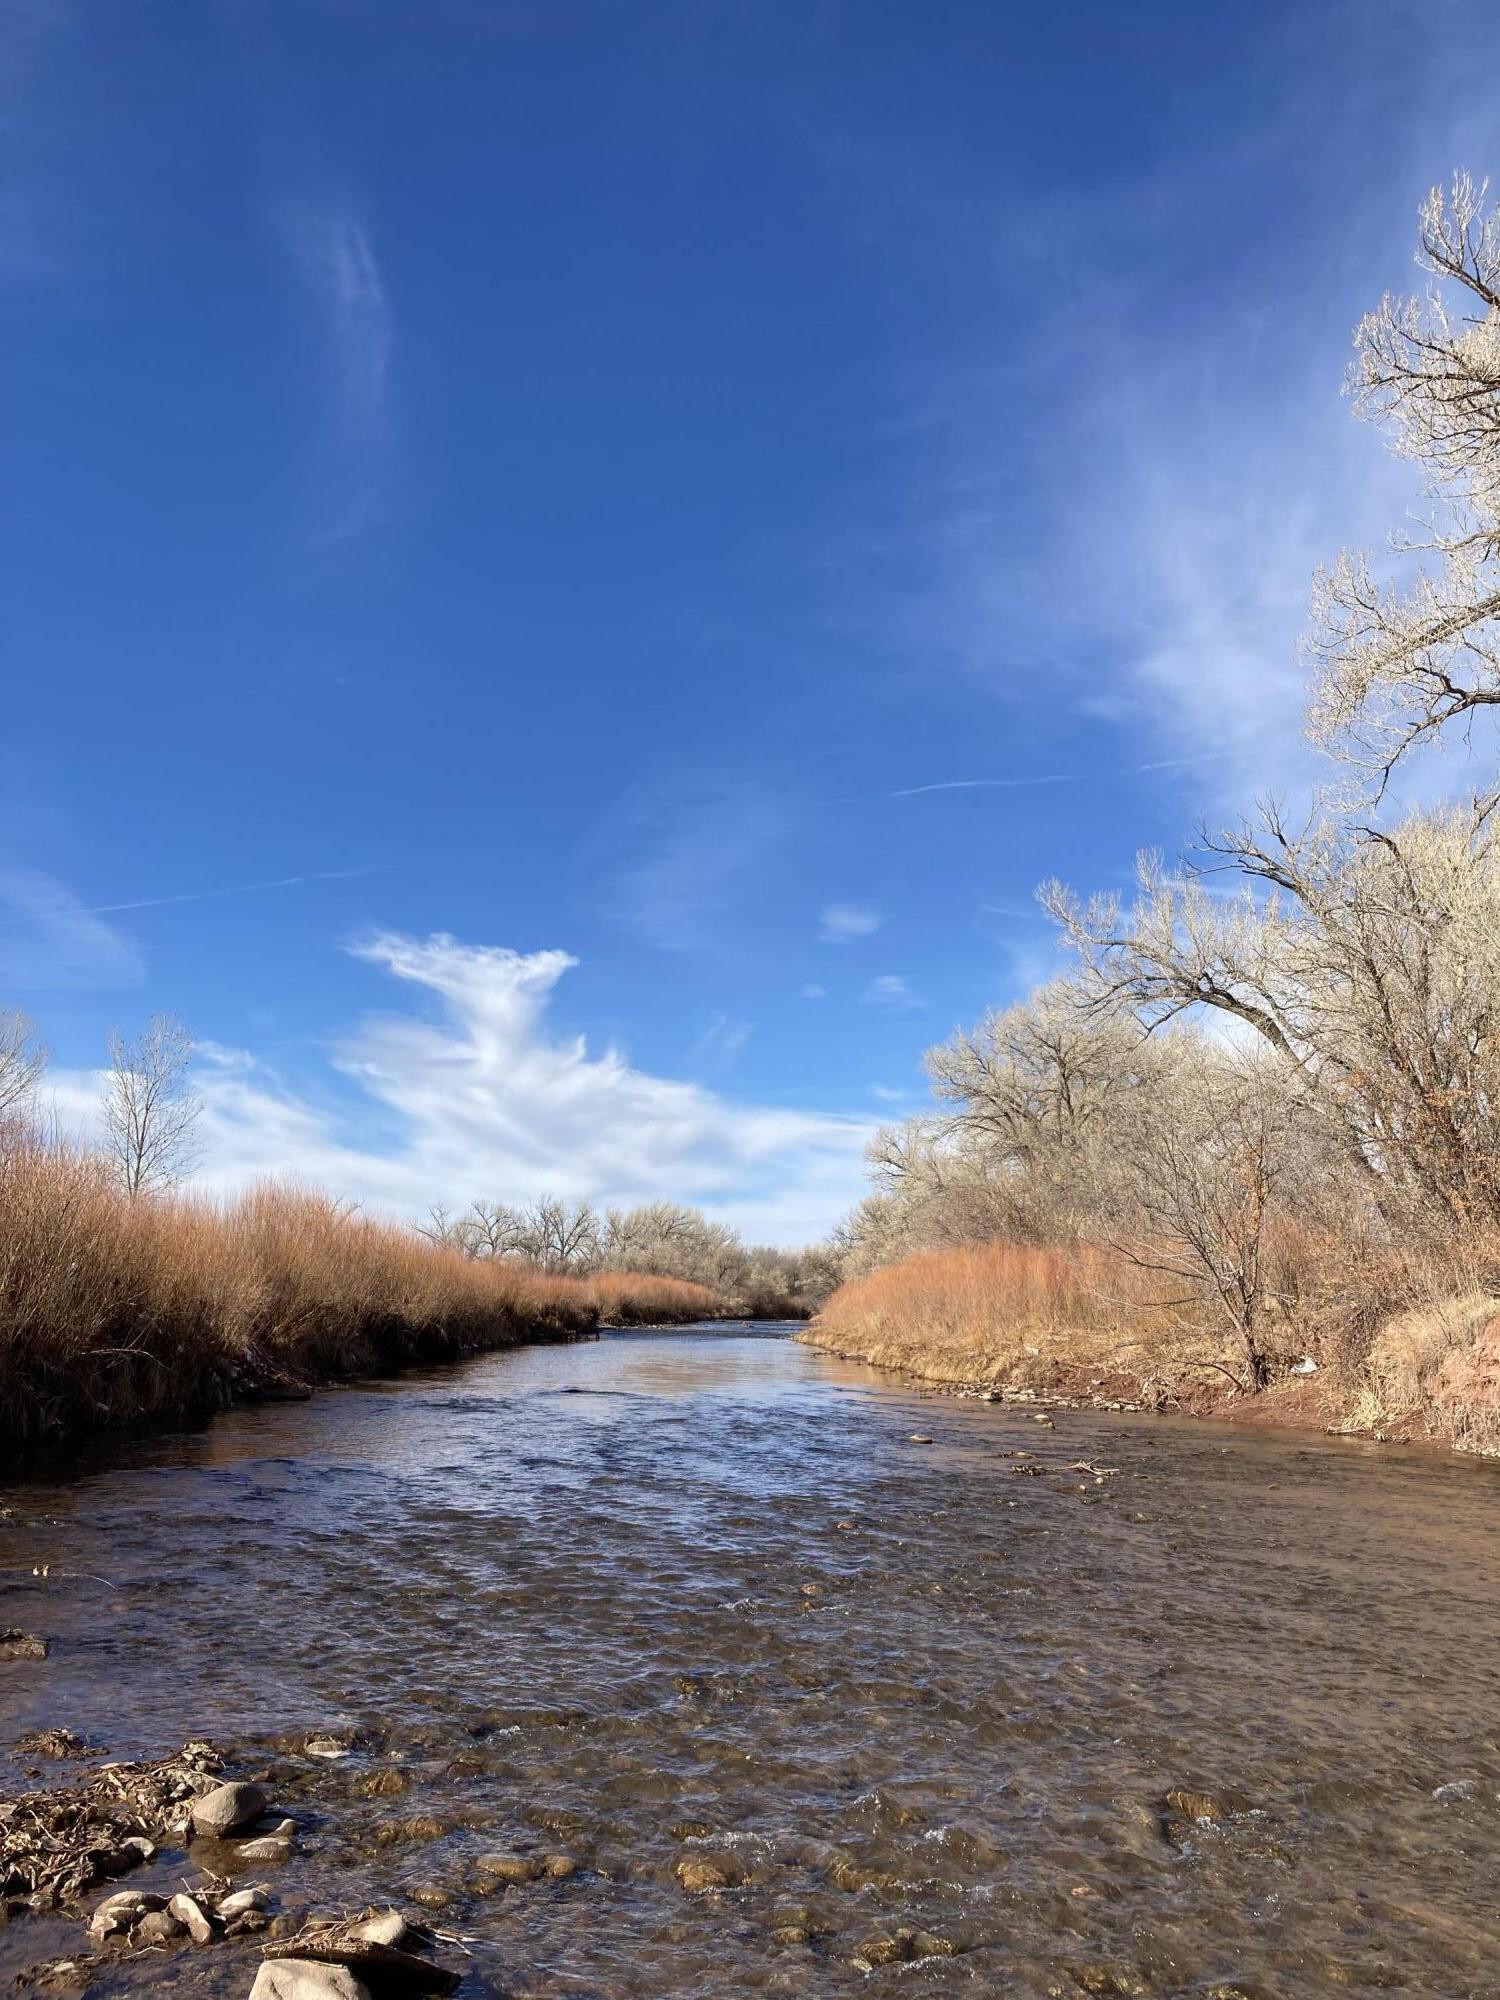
(227, 1808)
(306, 1979)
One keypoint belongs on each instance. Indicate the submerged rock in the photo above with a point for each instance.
(18, 1645)
(510, 1867)
(901, 1947)
(696, 1872)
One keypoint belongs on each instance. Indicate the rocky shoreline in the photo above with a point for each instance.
(1308, 1402)
(61, 1843)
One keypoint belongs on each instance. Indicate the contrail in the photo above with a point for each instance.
(234, 889)
(1050, 777)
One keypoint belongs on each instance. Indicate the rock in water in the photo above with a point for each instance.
(304, 1979)
(238, 1901)
(190, 1914)
(159, 1927)
(119, 1912)
(387, 1927)
(270, 1847)
(510, 1867)
(227, 1808)
(696, 1873)
(18, 1645)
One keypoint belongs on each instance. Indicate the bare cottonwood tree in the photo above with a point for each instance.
(1368, 960)
(23, 1063)
(150, 1109)
(1198, 1162)
(1393, 666)
(673, 1241)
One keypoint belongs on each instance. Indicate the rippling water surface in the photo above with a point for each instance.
(698, 1596)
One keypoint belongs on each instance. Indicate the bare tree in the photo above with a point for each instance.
(1368, 960)
(674, 1241)
(150, 1109)
(23, 1062)
(1198, 1162)
(1394, 668)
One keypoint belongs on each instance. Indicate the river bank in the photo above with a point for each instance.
(1070, 1329)
(794, 1663)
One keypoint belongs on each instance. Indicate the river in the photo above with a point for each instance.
(698, 1596)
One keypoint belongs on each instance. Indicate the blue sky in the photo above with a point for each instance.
(729, 496)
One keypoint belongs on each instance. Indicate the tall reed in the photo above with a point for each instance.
(158, 1309)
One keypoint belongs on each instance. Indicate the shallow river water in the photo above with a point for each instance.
(699, 1596)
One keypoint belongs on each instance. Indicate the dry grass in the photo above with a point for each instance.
(1407, 1336)
(1061, 1321)
(640, 1298)
(114, 1311)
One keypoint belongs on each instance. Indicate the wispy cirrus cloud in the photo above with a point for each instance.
(333, 249)
(691, 851)
(49, 939)
(484, 1101)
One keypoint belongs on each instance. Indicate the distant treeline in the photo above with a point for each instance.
(660, 1238)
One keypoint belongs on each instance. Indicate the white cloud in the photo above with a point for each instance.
(49, 939)
(891, 990)
(483, 1102)
(887, 1095)
(842, 923)
(813, 991)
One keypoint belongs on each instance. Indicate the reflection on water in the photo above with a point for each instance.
(697, 1596)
